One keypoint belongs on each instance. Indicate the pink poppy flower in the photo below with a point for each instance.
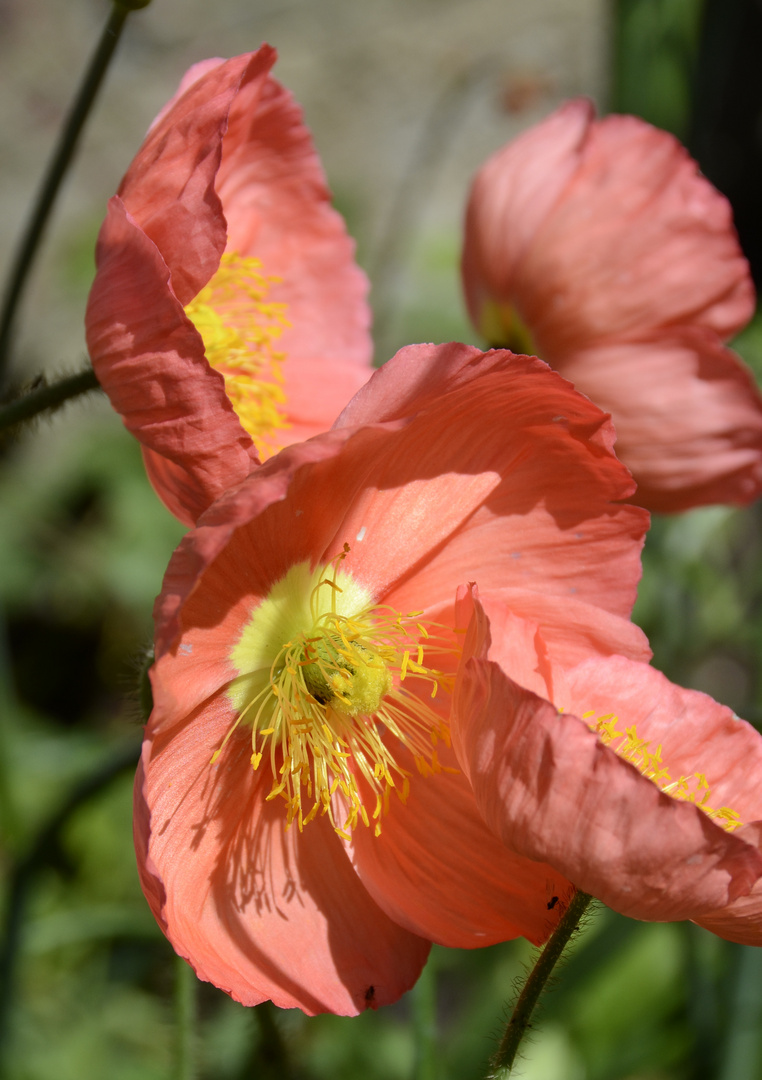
(642, 793)
(227, 317)
(599, 246)
(303, 827)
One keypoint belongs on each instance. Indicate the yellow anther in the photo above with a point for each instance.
(239, 326)
(327, 707)
(635, 750)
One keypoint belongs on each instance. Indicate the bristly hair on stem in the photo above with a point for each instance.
(502, 1063)
(45, 397)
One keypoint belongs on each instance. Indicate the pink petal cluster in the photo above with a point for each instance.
(598, 244)
(228, 165)
(449, 467)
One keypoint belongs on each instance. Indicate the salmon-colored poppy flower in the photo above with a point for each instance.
(303, 827)
(642, 793)
(599, 246)
(227, 317)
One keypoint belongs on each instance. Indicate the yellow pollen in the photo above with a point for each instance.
(320, 686)
(693, 789)
(239, 327)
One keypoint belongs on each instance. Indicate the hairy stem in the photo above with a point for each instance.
(46, 397)
(502, 1062)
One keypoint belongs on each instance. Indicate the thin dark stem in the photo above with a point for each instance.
(46, 397)
(502, 1063)
(56, 171)
(41, 852)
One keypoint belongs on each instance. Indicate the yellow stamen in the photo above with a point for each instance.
(320, 686)
(239, 326)
(693, 789)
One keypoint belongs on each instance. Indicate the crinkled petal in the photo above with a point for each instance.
(278, 209)
(696, 734)
(511, 196)
(550, 526)
(229, 165)
(573, 629)
(426, 503)
(261, 911)
(149, 358)
(169, 189)
(740, 920)
(552, 791)
(169, 186)
(207, 598)
(437, 869)
(696, 737)
(637, 241)
(688, 416)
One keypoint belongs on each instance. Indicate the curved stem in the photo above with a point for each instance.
(55, 173)
(502, 1063)
(46, 397)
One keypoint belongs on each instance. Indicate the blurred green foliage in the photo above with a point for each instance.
(655, 48)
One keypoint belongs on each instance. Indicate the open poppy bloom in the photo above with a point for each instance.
(303, 825)
(645, 795)
(227, 317)
(598, 245)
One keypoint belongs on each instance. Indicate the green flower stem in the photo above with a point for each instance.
(186, 986)
(424, 1002)
(502, 1063)
(57, 169)
(46, 397)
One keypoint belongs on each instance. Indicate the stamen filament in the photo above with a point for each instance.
(330, 703)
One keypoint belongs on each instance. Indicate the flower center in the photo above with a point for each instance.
(693, 788)
(239, 326)
(327, 681)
